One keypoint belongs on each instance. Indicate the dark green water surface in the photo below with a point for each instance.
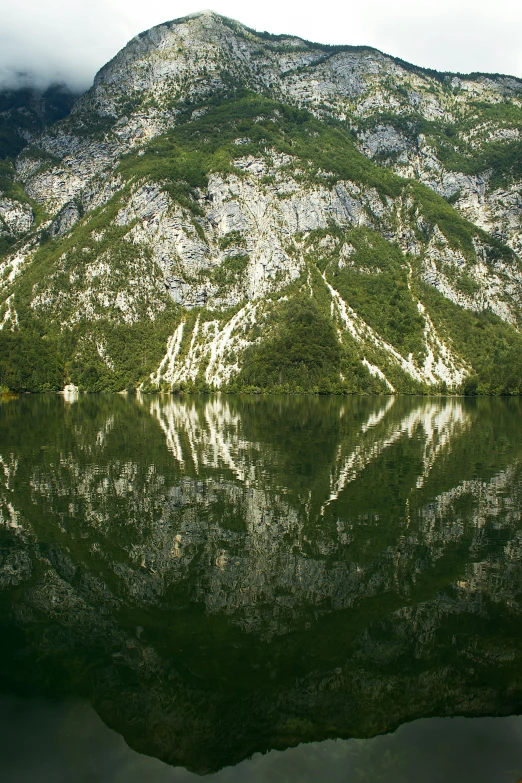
(253, 588)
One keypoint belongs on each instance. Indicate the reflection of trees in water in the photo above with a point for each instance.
(271, 570)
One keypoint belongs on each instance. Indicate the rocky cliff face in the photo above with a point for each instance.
(24, 114)
(213, 174)
(27, 111)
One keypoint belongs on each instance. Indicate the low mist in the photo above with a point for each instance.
(49, 41)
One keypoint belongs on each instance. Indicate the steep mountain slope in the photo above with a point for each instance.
(24, 113)
(234, 210)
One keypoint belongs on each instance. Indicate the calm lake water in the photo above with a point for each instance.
(260, 589)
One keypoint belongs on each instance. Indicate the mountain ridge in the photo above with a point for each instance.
(215, 186)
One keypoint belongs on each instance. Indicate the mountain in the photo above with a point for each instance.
(231, 209)
(26, 111)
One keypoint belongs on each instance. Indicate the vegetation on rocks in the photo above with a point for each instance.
(303, 353)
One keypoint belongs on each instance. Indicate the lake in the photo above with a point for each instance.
(260, 589)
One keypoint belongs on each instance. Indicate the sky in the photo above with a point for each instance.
(69, 40)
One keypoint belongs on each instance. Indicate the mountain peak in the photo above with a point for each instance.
(257, 211)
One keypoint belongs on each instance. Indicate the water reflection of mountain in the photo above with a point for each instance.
(222, 575)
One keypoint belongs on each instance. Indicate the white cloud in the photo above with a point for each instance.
(63, 40)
